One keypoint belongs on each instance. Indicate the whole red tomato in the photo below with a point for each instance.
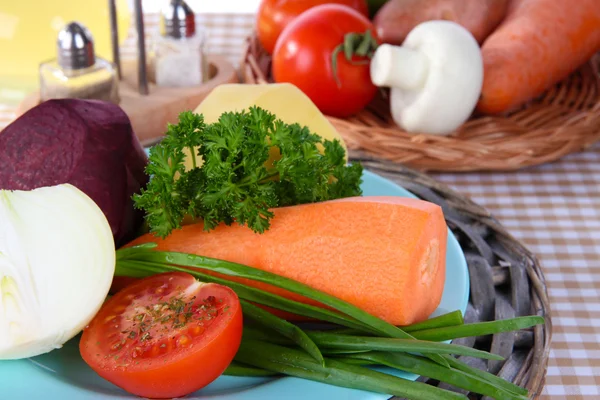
(274, 15)
(304, 56)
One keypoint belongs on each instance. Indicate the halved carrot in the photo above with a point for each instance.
(385, 255)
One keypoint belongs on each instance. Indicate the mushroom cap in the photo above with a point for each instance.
(452, 87)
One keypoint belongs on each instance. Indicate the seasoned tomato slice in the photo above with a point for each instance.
(164, 336)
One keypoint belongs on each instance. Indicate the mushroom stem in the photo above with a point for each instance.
(399, 67)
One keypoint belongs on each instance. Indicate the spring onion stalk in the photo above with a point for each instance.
(344, 342)
(333, 352)
(57, 259)
(354, 357)
(140, 269)
(421, 366)
(348, 331)
(491, 378)
(242, 271)
(355, 361)
(145, 254)
(326, 340)
(453, 318)
(297, 363)
(237, 368)
(478, 328)
(258, 333)
(142, 261)
(283, 327)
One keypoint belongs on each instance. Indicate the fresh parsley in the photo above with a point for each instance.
(229, 181)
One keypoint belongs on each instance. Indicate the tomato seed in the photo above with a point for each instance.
(196, 330)
(166, 346)
(116, 346)
(109, 319)
(138, 351)
(155, 350)
(183, 341)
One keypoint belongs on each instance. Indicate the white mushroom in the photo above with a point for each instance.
(435, 77)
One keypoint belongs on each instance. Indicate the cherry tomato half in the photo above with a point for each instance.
(274, 15)
(303, 57)
(164, 336)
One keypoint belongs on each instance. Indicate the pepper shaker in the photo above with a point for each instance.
(179, 59)
(77, 72)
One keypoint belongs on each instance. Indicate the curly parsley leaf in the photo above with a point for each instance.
(230, 180)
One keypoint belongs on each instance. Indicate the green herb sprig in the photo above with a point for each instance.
(230, 181)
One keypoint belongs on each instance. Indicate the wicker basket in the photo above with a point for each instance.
(564, 120)
(506, 281)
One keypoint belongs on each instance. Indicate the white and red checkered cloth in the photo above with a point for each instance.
(554, 209)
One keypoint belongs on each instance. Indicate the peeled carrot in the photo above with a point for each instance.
(385, 255)
(539, 44)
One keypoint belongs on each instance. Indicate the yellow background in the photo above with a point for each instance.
(28, 32)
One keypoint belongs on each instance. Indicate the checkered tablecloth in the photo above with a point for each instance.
(554, 209)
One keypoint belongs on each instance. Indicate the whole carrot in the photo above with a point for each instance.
(539, 43)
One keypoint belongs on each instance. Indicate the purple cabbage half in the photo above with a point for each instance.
(89, 144)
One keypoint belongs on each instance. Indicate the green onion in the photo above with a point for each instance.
(297, 363)
(141, 261)
(239, 369)
(333, 352)
(421, 366)
(347, 331)
(255, 333)
(477, 328)
(344, 342)
(449, 319)
(327, 341)
(125, 252)
(283, 327)
(491, 378)
(242, 271)
(356, 361)
(141, 269)
(135, 269)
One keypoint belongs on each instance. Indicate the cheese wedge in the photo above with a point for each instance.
(285, 100)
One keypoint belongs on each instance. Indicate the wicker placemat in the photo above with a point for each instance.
(506, 280)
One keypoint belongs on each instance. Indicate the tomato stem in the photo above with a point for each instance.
(354, 44)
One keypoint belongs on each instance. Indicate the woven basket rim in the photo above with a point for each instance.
(564, 120)
(532, 372)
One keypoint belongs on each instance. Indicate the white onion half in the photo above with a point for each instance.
(57, 260)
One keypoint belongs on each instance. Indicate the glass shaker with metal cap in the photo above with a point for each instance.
(179, 59)
(77, 72)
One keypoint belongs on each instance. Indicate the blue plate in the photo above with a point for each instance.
(62, 374)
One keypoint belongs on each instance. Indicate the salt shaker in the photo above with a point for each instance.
(77, 72)
(179, 49)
